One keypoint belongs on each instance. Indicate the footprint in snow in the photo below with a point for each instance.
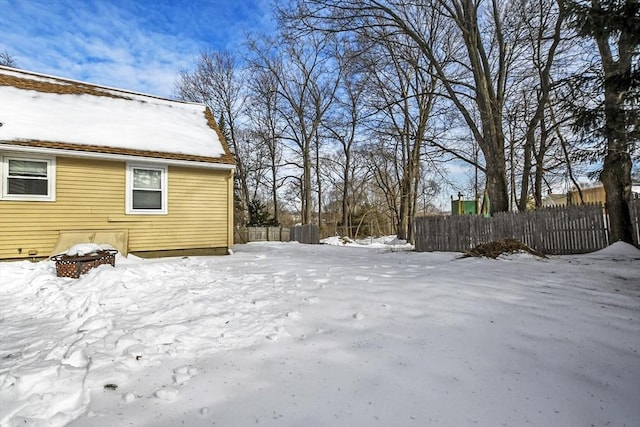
(128, 397)
(183, 374)
(358, 316)
(279, 331)
(96, 323)
(312, 300)
(167, 393)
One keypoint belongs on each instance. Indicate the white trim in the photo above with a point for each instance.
(51, 178)
(164, 181)
(116, 157)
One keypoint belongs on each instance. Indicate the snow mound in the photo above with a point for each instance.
(335, 241)
(82, 249)
(619, 249)
(383, 242)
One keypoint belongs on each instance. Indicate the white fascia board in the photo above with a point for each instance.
(114, 157)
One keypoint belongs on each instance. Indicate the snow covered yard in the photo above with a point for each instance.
(301, 335)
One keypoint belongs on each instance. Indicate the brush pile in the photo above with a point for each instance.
(500, 247)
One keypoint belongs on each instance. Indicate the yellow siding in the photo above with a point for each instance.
(589, 195)
(90, 195)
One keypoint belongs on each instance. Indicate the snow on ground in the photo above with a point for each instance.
(321, 335)
(384, 242)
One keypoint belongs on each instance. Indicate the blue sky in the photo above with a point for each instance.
(139, 45)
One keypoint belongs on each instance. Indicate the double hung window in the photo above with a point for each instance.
(146, 189)
(28, 178)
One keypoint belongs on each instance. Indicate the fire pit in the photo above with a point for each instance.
(75, 265)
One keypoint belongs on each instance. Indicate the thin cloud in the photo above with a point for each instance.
(133, 45)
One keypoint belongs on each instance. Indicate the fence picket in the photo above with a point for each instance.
(557, 230)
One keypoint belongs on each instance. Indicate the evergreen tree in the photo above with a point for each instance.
(614, 26)
(259, 216)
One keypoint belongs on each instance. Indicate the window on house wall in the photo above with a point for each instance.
(146, 189)
(29, 179)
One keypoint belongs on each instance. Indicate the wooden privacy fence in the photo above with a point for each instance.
(309, 233)
(302, 234)
(265, 234)
(556, 230)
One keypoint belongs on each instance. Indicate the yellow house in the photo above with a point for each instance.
(85, 163)
(590, 194)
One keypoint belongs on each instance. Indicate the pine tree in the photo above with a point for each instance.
(614, 25)
(259, 216)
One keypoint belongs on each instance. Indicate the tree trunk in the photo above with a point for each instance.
(306, 186)
(540, 155)
(497, 186)
(345, 194)
(616, 170)
(274, 190)
(526, 172)
(319, 184)
(489, 100)
(403, 218)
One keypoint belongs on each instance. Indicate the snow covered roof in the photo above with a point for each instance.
(40, 111)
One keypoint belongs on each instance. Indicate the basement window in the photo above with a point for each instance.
(146, 189)
(28, 179)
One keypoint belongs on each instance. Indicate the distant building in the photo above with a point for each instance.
(553, 199)
(471, 207)
(591, 193)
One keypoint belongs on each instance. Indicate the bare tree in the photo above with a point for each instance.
(216, 82)
(262, 111)
(541, 26)
(483, 52)
(403, 93)
(306, 83)
(345, 127)
(7, 60)
(383, 168)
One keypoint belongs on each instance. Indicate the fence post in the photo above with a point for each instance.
(634, 213)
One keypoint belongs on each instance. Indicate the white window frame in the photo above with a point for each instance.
(51, 179)
(164, 189)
